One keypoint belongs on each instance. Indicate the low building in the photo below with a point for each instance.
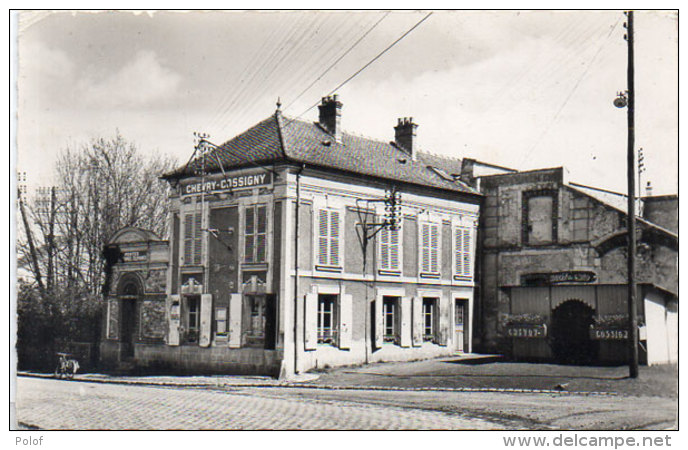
(553, 277)
(289, 250)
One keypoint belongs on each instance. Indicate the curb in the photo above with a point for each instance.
(303, 385)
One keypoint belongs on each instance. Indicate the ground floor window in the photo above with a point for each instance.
(429, 318)
(390, 318)
(327, 311)
(193, 306)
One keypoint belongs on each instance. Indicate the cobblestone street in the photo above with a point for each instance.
(53, 404)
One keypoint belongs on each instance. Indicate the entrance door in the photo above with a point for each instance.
(128, 297)
(127, 327)
(570, 336)
(460, 325)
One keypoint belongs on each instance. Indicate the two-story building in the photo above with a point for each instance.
(553, 270)
(284, 255)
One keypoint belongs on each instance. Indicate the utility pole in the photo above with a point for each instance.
(632, 301)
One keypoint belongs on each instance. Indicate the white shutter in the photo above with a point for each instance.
(323, 239)
(379, 322)
(425, 248)
(235, 320)
(444, 311)
(406, 321)
(384, 249)
(206, 315)
(434, 248)
(310, 331)
(334, 238)
(418, 321)
(394, 250)
(173, 324)
(466, 250)
(345, 320)
(458, 247)
(198, 238)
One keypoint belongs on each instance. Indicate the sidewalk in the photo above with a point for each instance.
(464, 373)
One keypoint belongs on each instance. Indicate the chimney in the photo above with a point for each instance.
(331, 116)
(405, 135)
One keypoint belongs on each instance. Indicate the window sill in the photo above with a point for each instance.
(463, 277)
(434, 276)
(333, 269)
(389, 273)
(254, 266)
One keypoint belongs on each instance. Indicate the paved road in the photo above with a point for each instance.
(57, 404)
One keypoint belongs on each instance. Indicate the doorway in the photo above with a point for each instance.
(461, 325)
(570, 336)
(128, 300)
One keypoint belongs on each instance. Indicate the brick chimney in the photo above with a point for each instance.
(331, 116)
(405, 135)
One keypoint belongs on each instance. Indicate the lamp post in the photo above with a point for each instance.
(627, 100)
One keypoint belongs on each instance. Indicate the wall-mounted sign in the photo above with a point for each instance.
(526, 331)
(228, 183)
(607, 334)
(547, 279)
(134, 256)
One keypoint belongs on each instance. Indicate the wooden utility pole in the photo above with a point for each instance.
(632, 301)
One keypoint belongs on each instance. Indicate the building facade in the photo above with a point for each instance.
(553, 271)
(284, 255)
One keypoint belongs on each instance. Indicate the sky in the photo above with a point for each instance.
(526, 90)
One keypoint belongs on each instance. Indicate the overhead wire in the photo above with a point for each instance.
(409, 31)
(230, 94)
(342, 56)
(571, 92)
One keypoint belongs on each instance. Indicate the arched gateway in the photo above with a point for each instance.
(570, 335)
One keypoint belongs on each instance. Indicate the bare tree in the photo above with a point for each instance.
(100, 188)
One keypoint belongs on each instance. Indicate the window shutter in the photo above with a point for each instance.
(188, 239)
(458, 247)
(173, 323)
(379, 322)
(235, 320)
(434, 248)
(310, 337)
(466, 249)
(345, 320)
(384, 249)
(443, 311)
(322, 236)
(261, 229)
(249, 234)
(417, 321)
(198, 238)
(334, 238)
(406, 321)
(394, 250)
(425, 248)
(206, 314)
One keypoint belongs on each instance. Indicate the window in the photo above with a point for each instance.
(192, 238)
(255, 232)
(193, 305)
(390, 318)
(327, 330)
(463, 261)
(540, 210)
(430, 248)
(429, 318)
(328, 238)
(390, 250)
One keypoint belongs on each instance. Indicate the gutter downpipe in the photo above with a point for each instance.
(296, 267)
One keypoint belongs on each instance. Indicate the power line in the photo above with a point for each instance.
(568, 97)
(365, 66)
(358, 41)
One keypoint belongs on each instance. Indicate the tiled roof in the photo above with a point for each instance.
(280, 138)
